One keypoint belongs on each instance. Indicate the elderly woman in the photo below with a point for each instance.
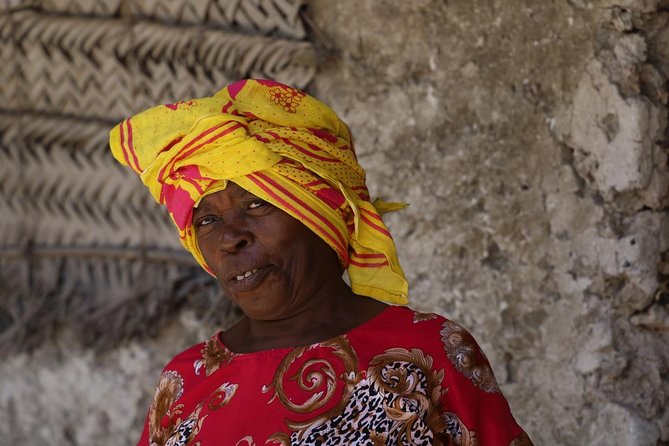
(263, 184)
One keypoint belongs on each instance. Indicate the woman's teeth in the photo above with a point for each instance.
(246, 274)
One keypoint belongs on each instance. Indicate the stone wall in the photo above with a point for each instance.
(530, 139)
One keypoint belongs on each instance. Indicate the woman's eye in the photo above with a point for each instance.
(205, 221)
(256, 204)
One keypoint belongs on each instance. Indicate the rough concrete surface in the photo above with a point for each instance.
(531, 146)
(530, 139)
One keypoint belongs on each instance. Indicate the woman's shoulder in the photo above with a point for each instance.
(448, 344)
(405, 319)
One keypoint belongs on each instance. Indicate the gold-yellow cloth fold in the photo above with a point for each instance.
(281, 145)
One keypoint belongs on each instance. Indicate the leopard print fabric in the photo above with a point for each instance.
(376, 416)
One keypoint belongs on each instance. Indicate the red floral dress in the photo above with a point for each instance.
(402, 378)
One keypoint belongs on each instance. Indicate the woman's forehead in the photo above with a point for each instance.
(232, 191)
(235, 190)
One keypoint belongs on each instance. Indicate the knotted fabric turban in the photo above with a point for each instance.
(281, 145)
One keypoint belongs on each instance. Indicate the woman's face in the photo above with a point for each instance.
(266, 261)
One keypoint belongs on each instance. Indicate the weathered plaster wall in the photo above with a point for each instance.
(530, 139)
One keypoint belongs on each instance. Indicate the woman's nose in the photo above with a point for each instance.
(235, 236)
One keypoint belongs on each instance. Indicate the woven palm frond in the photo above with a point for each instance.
(187, 12)
(210, 59)
(69, 190)
(82, 243)
(209, 54)
(9, 5)
(8, 71)
(103, 299)
(71, 64)
(259, 17)
(81, 7)
(86, 136)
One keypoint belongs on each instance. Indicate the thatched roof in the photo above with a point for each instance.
(81, 241)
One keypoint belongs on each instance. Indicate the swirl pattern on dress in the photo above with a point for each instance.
(464, 353)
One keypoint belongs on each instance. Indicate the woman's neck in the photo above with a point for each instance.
(325, 318)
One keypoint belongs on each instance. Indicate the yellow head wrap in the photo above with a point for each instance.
(281, 145)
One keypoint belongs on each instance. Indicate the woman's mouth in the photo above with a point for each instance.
(245, 275)
(249, 279)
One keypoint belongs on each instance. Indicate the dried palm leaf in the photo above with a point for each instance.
(82, 244)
